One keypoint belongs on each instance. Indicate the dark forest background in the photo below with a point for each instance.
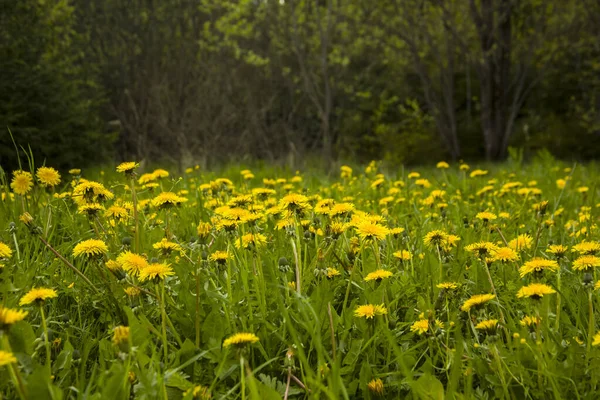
(207, 81)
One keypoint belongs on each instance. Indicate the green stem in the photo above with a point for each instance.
(46, 342)
(163, 322)
(136, 236)
(197, 325)
(590, 322)
(18, 381)
(243, 377)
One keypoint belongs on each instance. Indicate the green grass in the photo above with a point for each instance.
(311, 343)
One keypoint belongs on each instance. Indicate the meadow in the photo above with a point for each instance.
(455, 281)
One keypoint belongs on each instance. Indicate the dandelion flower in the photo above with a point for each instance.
(435, 238)
(251, 240)
(378, 275)
(376, 386)
(529, 321)
(120, 335)
(476, 301)
(220, 257)
(5, 251)
(118, 213)
(489, 325)
(557, 249)
(90, 248)
(7, 358)
(420, 327)
(368, 230)
(155, 271)
(132, 291)
(447, 286)
(504, 254)
(403, 255)
(521, 242)
(442, 165)
(481, 249)
(369, 311)
(166, 247)
(538, 265)
(587, 262)
(127, 167)
(596, 340)
(132, 262)
(535, 291)
(332, 273)
(10, 316)
(48, 177)
(167, 199)
(240, 339)
(38, 295)
(22, 182)
(294, 203)
(587, 248)
(198, 392)
(341, 209)
(486, 216)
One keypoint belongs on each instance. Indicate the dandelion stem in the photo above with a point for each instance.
(197, 325)
(163, 322)
(590, 322)
(136, 236)
(243, 377)
(45, 329)
(18, 381)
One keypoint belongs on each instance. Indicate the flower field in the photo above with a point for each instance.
(429, 283)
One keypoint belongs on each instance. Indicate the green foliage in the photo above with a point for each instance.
(47, 99)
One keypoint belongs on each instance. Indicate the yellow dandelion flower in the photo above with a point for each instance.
(132, 291)
(132, 262)
(220, 257)
(481, 249)
(240, 339)
(22, 182)
(118, 213)
(378, 275)
(587, 262)
(7, 358)
(538, 265)
(486, 216)
(420, 327)
(155, 271)
(160, 173)
(403, 255)
(90, 248)
(376, 386)
(48, 177)
(435, 238)
(295, 203)
(38, 295)
(447, 286)
(198, 392)
(167, 199)
(10, 316)
(535, 291)
(369, 311)
(529, 321)
(476, 301)
(75, 171)
(251, 241)
(332, 272)
(596, 340)
(166, 247)
(203, 229)
(368, 230)
(557, 249)
(127, 167)
(521, 242)
(478, 172)
(5, 251)
(504, 254)
(120, 335)
(442, 165)
(489, 325)
(586, 247)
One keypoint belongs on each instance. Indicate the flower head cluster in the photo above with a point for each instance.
(369, 311)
